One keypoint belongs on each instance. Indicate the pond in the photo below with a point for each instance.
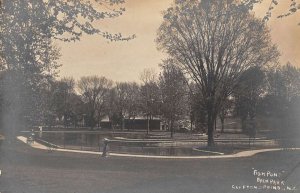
(138, 143)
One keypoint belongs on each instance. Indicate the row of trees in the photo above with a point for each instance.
(92, 98)
(272, 92)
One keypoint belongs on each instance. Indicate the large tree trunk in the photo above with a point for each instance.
(222, 123)
(244, 124)
(133, 124)
(210, 128)
(215, 125)
(92, 120)
(148, 125)
(172, 128)
(210, 133)
(129, 125)
(123, 123)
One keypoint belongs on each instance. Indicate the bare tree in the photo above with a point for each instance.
(247, 94)
(93, 90)
(227, 105)
(214, 42)
(132, 101)
(149, 95)
(112, 111)
(63, 92)
(282, 87)
(127, 100)
(173, 87)
(121, 95)
(148, 75)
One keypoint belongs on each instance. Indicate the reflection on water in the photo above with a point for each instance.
(162, 151)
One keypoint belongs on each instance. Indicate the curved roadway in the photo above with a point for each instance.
(24, 169)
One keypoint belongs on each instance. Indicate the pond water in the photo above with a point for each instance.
(95, 142)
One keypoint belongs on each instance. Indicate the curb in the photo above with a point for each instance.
(242, 154)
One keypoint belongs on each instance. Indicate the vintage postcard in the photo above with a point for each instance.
(149, 96)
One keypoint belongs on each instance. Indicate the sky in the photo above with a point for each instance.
(124, 61)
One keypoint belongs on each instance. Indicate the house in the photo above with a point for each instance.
(139, 123)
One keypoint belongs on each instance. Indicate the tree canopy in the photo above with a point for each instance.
(27, 50)
(94, 90)
(174, 94)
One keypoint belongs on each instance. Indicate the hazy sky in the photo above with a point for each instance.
(123, 61)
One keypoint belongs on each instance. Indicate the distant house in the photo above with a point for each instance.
(139, 123)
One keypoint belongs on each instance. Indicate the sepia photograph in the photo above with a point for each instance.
(149, 96)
